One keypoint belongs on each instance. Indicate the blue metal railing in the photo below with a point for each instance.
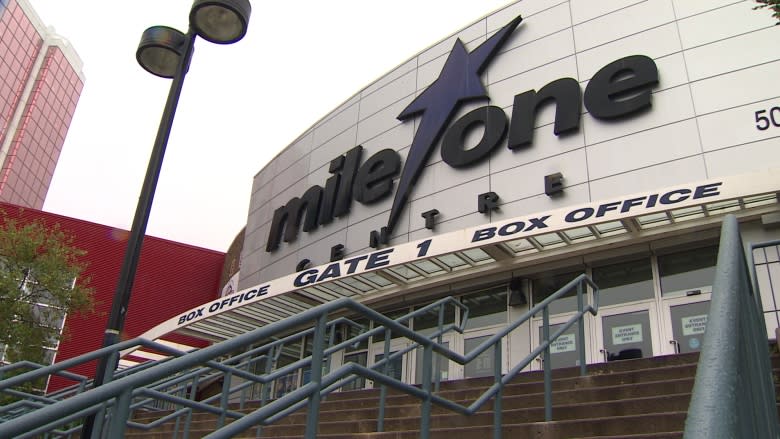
(176, 379)
(734, 393)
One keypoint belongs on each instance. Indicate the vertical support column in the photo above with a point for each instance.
(318, 348)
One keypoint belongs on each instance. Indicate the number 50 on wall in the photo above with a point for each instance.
(767, 118)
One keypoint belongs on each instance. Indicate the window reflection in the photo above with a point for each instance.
(689, 270)
(624, 282)
(548, 283)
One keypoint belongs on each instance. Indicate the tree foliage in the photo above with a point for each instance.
(38, 266)
(774, 5)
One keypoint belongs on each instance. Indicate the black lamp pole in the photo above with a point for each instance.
(157, 46)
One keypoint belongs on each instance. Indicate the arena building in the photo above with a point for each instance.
(607, 138)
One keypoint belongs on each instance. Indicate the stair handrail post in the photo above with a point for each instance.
(581, 330)
(437, 364)
(380, 421)
(425, 410)
(733, 324)
(497, 401)
(318, 349)
(546, 364)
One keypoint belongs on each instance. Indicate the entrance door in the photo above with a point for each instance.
(685, 322)
(398, 367)
(564, 351)
(447, 369)
(628, 332)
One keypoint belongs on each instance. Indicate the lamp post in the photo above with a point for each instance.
(165, 52)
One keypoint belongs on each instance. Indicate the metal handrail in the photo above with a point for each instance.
(120, 392)
(734, 393)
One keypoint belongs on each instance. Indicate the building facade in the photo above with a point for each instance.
(171, 278)
(547, 140)
(40, 87)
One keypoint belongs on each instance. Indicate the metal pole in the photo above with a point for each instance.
(313, 413)
(547, 366)
(116, 319)
(581, 330)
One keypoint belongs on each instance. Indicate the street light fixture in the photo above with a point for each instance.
(165, 52)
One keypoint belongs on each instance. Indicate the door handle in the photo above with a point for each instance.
(605, 353)
(676, 345)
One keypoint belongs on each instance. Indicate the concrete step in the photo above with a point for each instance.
(656, 425)
(634, 399)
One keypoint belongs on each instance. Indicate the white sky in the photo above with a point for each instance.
(240, 106)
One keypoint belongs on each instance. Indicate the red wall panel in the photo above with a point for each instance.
(171, 278)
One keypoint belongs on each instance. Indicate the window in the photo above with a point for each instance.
(624, 282)
(486, 308)
(688, 270)
(547, 284)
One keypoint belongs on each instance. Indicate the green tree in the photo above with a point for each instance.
(774, 5)
(38, 271)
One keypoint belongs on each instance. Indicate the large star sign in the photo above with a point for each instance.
(458, 82)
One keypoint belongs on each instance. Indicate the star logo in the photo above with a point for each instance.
(458, 82)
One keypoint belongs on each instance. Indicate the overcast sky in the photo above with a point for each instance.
(240, 106)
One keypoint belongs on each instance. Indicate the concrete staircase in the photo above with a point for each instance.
(644, 398)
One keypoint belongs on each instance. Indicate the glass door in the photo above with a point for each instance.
(565, 350)
(686, 286)
(397, 368)
(628, 332)
(685, 323)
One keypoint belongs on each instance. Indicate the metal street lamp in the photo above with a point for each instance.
(165, 52)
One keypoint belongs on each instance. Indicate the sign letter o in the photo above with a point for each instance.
(495, 122)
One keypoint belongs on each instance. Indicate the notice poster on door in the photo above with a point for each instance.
(693, 325)
(627, 334)
(564, 343)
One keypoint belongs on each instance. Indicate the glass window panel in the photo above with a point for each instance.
(477, 255)
(486, 308)
(483, 364)
(405, 272)
(624, 282)
(356, 284)
(393, 369)
(336, 289)
(548, 239)
(723, 206)
(688, 213)
(549, 283)
(653, 220)
(352, 332)
(760, 200)
(688, 270)
(428, 323)
(375, 279)
(579, 233)
(520, 245)
(444, 365)
(452, 261)
(394, 315)
(428, 267)
(611, 228)
(359, 382)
